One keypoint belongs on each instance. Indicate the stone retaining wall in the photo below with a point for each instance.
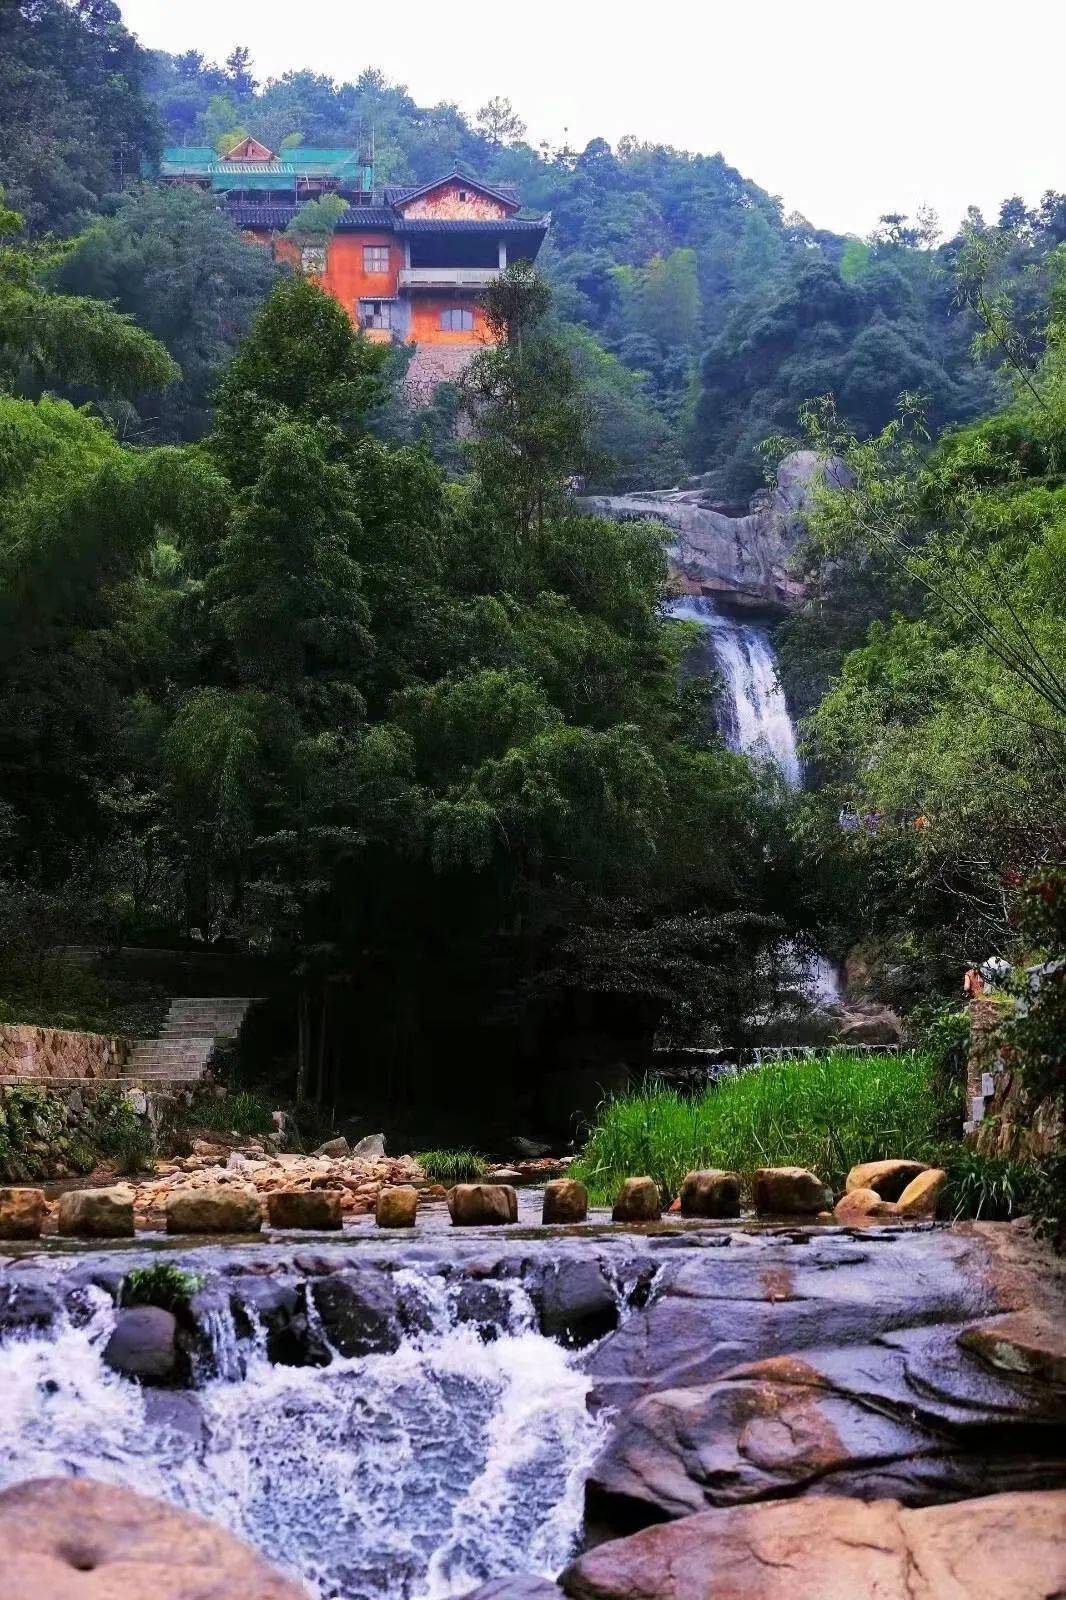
(45, 1054)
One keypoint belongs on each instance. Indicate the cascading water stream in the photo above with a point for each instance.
(411, 1475)
(756, 720)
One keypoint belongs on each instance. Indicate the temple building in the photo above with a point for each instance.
(405, 262)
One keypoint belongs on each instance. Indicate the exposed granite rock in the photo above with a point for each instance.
(214, 1210)
(480, 1204)
(711, 1193)
(22, 1213)
(143, 1344)
(1003, 1547)
(577, 1303)
(97, 1213)
(1025, 1344)
(789, 1192)
(864, 1205)
(886, 1178)
(743, 559)
(397, 1207)
(638, 1201)
(565, 1200)
(304, 1208)
(904, 1417)
(77, 1539)
(922, 1195)
(360, 1311)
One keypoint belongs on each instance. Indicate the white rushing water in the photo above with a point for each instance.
(756, 720)
(409, 1476)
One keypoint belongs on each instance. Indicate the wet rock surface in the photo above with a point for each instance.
(1004, 1547)
(77, 1539)
(743, 1365)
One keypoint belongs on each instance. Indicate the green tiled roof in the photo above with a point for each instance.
(201, 161)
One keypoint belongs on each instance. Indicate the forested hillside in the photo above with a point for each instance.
(699, 314)
(274, 677)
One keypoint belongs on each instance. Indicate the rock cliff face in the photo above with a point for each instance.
(743, 560)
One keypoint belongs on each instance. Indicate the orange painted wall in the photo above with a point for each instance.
(344, 277)
(425, 321)
(346, 281)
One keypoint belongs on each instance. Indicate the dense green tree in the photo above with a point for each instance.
(76, 122)
(46, 337)
(169, 260)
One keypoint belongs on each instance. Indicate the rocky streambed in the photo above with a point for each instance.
(408, 1420)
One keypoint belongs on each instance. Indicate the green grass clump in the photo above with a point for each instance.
(242, 1113)
(452, 1166)
(826, 1114)
(990, 1188)
(164, 1285)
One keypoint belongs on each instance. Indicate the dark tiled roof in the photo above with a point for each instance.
(356, 218)
(395, 193)
(455, 225)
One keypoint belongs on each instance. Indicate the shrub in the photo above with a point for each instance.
(1049, 1201)
(32, 1123)
(162, 1284)
(989, 1188)
(242, 1113)
(123, 1136)
(452, 1166)
(826, 1114)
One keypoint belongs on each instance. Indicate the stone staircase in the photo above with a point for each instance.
(191, 1032)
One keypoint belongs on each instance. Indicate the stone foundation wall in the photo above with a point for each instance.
(1004, 1119)
(48, 1054)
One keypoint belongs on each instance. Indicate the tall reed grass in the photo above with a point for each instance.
(826, 1114)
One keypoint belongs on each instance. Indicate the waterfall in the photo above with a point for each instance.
(410, 1475)
(755, 719)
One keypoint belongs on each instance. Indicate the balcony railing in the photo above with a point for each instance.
(446, 277)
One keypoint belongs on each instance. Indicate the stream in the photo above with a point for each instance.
(412, 1474)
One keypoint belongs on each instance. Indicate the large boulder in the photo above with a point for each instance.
(143, 1344)
(336, 1149)
(789, 1192)
(864, 1205)
(397, 1207)
(472, 1205)
(1003, 1547)
(576, 1301)
(304, 1208)
(221, 1208)
(921, 1197)
(22, 1213)
(79, 1539)
(886, 1178)
(359, 1311)
(565, 1200)
(370, 1148)
(1026, 1344)
(903, 1415)
(96, 1213)
(711, 1193)
(638, 1201)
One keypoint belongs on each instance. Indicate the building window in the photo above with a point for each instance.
(377, 313)
(375, 258)
(313, 258)
(457, 319)
(463, 195)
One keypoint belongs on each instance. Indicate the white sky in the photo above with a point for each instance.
(845, 108)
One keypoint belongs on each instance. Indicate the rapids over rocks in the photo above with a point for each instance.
(392, 1421)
